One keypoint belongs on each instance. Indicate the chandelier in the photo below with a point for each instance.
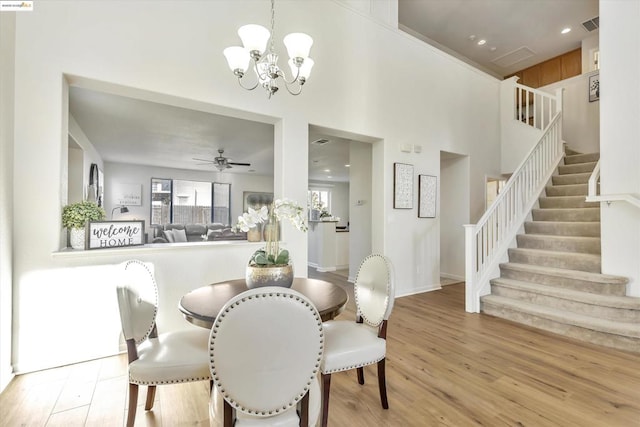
(265, 63)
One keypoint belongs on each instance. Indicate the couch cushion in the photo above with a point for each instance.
(195, 230)
(168, 235)
(179, 236)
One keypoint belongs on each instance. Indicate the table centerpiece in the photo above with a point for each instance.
(271, 266)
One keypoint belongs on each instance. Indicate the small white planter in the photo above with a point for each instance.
(76, 238)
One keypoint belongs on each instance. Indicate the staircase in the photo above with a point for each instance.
(552, 280)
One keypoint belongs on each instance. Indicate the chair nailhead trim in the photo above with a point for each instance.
(348, 368)
(185, 380)
(372, 322)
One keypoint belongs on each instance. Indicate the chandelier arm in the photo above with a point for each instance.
(286, 85)
(246, 87)
(284, 77)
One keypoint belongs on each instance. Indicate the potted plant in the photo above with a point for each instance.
(270, 266)
(75, 218)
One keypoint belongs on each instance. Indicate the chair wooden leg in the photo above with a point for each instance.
(151, 396)
(382, 385)
(360, 375)
(326, 385)
(304, 411)
(228, 414)
(133, 403)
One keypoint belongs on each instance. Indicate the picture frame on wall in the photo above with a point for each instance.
(427, 195)
(256, 200)
(402, 186)
(594, 87)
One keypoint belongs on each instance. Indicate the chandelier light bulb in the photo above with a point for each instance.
(254, 37)
(298, 45)
(238, 59)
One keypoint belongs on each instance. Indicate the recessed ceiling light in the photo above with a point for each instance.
(481, 42)
(347, 165)
(327, 170)
(566, 30)
(472, 37)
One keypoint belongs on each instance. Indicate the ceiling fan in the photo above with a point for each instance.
(221, 163)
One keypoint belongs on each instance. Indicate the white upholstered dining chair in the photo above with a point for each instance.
(353, 345)
(266, 346)
(168, 358)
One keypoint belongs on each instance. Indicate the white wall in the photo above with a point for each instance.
(589, 46)
(620, 138)
(580, 118)
(7, 59)
(439, 103)
(453, 214)
(360, 213)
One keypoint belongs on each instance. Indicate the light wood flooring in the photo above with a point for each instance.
(445, 367)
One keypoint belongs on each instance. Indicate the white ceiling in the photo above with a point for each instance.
(128, 130)
(507, 25)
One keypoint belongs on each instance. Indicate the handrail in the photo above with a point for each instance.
(534, 107)
(595, 196)
(487, 242)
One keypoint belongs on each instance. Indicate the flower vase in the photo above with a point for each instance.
(254, 234)
(276, 275)
(77, 238)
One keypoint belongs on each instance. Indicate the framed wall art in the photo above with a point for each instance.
(428, 193)
(594, 88)
(402, 186)
(256, 200)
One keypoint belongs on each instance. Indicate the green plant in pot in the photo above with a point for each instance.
(270, 266)
(75, 218)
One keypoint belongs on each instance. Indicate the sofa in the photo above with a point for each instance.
(180, 233)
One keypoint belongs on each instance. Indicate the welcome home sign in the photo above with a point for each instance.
(114, 234)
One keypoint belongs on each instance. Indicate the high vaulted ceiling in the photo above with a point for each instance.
(518, 33)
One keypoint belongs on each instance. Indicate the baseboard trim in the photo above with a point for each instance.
(419, 291)
(325, 270)
(452, 276)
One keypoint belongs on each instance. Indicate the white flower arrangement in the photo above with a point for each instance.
(272, 214)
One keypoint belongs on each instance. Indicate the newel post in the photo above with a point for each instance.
(471, 298)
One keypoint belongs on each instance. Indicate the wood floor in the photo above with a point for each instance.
(445, 367)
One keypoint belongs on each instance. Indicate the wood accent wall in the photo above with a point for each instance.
(552, 70)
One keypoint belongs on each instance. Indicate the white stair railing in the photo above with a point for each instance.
(595, 196)
(487, 242)
(534, 107)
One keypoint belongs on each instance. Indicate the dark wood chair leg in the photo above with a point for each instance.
(382, 385)
(151, 396)
(326, 386)
(133, 403)
(304, 411)
(228, 415)
(360, 375)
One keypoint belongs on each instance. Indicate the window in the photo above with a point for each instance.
(189, 202)
(160, 201)
(222, 203)
(319, 200)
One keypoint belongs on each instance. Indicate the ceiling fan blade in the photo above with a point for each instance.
(239, 164)
(204, 160)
